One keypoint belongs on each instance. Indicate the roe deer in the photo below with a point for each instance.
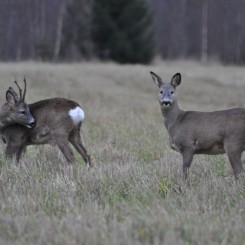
(58, 121)
(15, 110)
(194, 132)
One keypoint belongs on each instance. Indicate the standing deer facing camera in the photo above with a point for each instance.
(58, 122)
(194, 132)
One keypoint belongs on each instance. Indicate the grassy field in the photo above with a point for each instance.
(135, 193)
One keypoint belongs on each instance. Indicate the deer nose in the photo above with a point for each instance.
(166, 102)
(32, 124)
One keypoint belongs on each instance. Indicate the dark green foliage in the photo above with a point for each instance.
(122, 31)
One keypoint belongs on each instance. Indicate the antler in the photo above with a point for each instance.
(20, 90)
(22, 98)
(24, 95)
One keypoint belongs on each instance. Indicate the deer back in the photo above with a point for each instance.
(55, 117)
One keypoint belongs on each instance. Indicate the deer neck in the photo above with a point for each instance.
(170, 115)
(3, 122)
(1, 125)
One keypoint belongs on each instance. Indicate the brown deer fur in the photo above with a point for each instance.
(58, 122)
(195, 132)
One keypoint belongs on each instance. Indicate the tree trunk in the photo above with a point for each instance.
(59, 30)
(240, 31)
(204, 41)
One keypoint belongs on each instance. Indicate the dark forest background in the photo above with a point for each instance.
(125, 31)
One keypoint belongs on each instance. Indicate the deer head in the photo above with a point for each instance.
(15, 110)
(167, 96)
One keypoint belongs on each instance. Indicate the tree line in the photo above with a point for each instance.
(125, 31)
(203, 29)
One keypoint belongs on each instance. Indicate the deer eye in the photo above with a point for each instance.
(161, 92)
(172, 92)
(23, 112)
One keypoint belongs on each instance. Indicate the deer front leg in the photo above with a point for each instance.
(187, 156)
(19, 152)
(14, 149)
(11, 150)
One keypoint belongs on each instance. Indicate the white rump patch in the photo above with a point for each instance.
(77, 115)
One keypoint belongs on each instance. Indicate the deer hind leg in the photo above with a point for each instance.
(77, 141)
(234, 153)
(65, 148)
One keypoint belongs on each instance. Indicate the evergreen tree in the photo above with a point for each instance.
(122, 31)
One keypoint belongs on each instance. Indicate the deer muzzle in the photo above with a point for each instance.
(166, 102)
(31, 124)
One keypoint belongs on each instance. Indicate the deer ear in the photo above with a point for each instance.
(11, 96)
(156, 79)
(176, 80)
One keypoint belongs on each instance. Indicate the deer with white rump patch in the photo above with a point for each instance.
(195, 132)
(58, 122)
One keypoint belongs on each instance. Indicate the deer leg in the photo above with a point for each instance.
(19, 152)
(4, 140)
(234, 155)
(11, 150)
(77, 141)
(187, 156)
(65, 149)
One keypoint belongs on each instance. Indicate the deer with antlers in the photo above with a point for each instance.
(15, 110)
(58, 122)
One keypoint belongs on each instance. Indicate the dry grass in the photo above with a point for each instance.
(134, 194)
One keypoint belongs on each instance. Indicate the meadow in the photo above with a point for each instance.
(134, 194)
